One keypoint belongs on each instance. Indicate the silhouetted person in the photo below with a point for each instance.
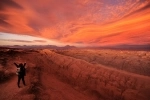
(21, 72)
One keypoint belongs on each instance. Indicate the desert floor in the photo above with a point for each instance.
(76, 75)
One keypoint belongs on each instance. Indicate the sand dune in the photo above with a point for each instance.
(51, 75)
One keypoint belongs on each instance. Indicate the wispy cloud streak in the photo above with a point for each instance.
(98, 22)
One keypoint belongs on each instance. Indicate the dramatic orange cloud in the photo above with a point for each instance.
(86, 22)
(119, 31)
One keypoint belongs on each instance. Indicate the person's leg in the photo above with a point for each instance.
(19, 80)
(23, 80)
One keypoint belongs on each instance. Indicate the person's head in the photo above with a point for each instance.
(20, 65)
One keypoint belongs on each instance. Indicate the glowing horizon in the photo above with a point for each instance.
(75, 22)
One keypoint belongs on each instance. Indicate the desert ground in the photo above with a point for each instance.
(76, 74)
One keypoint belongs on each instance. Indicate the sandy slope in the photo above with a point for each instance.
(131, 61)
(51, 76)
(105, 83)
(41, 84)
(10, 91)
(57, 90)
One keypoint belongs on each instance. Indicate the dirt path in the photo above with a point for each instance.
(10, 91)
(57, 90)
(41, 85)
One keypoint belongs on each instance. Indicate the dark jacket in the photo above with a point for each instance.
(22, 70)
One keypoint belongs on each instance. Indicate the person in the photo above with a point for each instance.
(21, 72)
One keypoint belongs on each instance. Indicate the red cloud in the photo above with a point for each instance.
(42, 41)
(78, 21)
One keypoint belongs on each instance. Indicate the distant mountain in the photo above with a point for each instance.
(123, 47)
(39, 47)
(133, 47)
(117, 47)
(68, 47)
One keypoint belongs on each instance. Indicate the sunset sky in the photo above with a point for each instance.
(75, 22)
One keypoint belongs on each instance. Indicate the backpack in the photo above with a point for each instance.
(18, 71)
(21, 71)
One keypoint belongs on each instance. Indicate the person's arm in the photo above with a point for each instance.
(24, 64)
(16, 65)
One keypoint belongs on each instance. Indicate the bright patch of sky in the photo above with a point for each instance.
(14, 39)
(18, 37)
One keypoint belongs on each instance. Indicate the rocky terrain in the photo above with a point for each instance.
(76, 75)
(131, 61)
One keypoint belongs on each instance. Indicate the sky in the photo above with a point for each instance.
(75, 22)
